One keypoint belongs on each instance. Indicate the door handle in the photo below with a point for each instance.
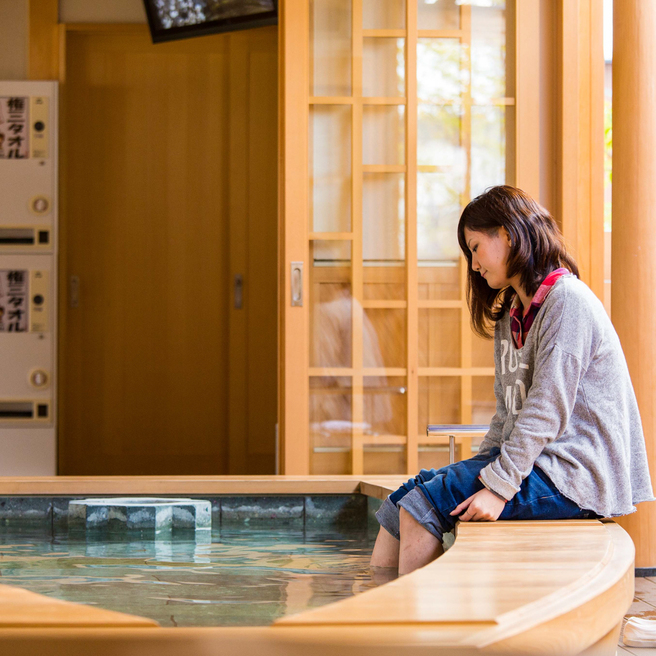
(74, 291)
(239, 291)
(297, 284)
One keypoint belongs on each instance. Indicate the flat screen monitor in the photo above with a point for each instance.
(181, 19)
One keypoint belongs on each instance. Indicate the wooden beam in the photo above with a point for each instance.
(43, 40)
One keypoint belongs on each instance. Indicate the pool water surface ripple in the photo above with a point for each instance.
(241, 576)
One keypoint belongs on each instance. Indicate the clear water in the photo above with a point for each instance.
(240, 577)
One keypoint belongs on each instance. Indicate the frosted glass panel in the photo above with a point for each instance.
(330, 47)
(384, 459)
(438, 14)
(438, 212)
(439, 338)
(330, 424)
(439, 400)
(331, 311)
(440, 283)
(440, 73)
(383, 68)
(384, 280)
(488, 52)
(490, 126)
(330, 178)
(438, 137)
(383, 229)
(385, 405)
(327, 253)
(383, 14)
(483, 400)
(384, 338)
(482, 352)
(383, 134)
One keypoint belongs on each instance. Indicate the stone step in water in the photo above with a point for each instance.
(146, 514)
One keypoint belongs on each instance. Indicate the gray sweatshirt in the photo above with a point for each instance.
(566, 404)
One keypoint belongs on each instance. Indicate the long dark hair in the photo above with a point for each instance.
(537, 248)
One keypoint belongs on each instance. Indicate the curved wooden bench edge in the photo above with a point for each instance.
(565, 621)
(570, 624)
(21, 608)
(600, 599)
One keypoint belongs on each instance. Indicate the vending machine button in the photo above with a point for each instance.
(39, 378)
(40, 205)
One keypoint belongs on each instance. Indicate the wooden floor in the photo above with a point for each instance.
(644, 605)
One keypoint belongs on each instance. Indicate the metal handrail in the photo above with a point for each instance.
(455, 430)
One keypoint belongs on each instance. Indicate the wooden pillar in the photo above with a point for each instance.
(633, 309)
(580, 163)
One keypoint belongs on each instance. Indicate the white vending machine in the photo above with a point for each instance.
(28, 278)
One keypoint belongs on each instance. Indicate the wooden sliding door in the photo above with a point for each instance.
(168, 295)
(396, 113)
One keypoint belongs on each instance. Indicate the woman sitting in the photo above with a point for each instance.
(566, 441)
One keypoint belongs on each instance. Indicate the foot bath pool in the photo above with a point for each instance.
(255, 566)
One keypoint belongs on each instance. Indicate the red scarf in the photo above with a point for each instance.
(519, 324)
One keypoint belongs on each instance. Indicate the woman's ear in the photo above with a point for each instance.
(506, 235)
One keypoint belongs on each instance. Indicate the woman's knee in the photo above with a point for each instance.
(418, 545)
(408, 524)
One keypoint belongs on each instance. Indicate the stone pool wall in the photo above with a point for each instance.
(298, 511)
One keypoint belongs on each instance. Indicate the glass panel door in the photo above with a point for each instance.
(411, 113)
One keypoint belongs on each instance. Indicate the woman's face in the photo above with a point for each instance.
(489, 255)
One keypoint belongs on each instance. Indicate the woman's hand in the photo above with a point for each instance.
(484, 506)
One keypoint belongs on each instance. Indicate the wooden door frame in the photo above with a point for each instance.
(293, 199)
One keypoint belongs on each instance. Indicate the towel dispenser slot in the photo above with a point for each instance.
(37, 411)
(17, 236)
(16, 410)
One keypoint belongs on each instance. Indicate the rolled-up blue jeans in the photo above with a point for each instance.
(433, 494)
